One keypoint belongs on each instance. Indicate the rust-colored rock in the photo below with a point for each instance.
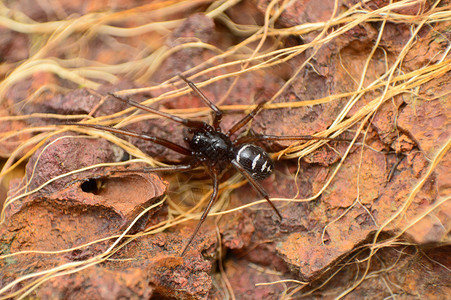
(94, 204)
(427, 122)
(244, 277)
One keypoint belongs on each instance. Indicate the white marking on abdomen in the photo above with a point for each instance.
(254, 162)
(264, 166)
(239, 153)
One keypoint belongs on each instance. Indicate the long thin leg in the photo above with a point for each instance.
(161, 169)
(213, 198)
(256, 185)
(153, 139)
(245, 119)
(214, 108)
(186, 122)
(267, 137)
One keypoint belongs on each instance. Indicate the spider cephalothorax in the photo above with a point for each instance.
(212, 145)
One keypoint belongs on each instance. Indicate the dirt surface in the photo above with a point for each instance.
(364, 216)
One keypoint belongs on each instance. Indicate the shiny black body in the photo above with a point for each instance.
(211, 146)
(217, 150)
(255, 160)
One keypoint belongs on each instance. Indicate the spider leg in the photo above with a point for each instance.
(245, 119)
(257, 186)
(186, 122)
(153, 139)
(218, 112)
(162, 169)
(213, 197)
(267, 137)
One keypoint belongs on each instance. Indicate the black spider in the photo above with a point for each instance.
(208, 145)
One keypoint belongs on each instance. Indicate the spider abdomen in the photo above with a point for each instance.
(212, 145)
(255, 160)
